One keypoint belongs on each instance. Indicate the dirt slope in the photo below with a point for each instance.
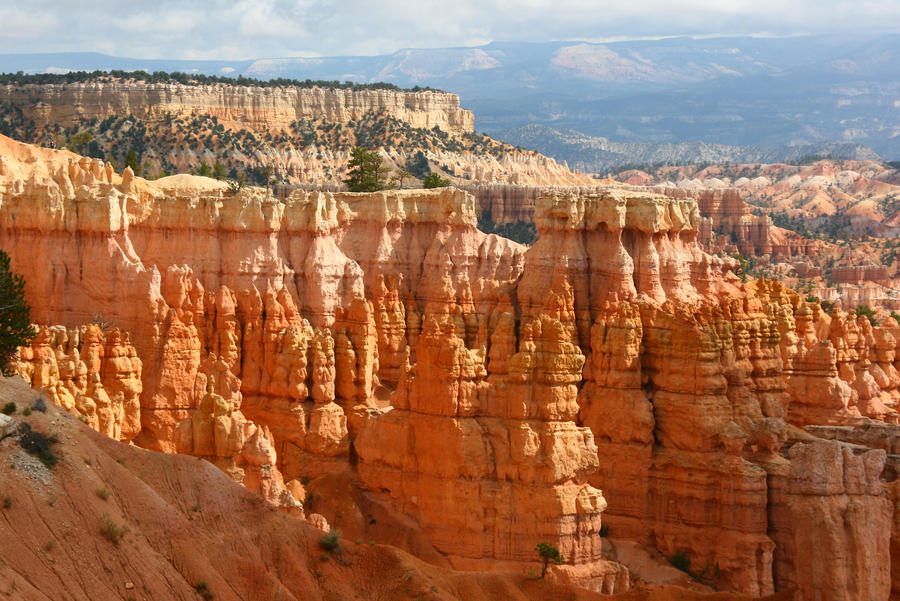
(187, 523)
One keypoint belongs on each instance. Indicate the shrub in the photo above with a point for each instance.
(604, 531)
(112, 531)
(38, 444)
(203, 589)
(7, 502)
(681, 561)
(867, 311)
(331, 542)
(433, 180)
(418, 165)
(103, 493)
(9, 408)
(235, 185)
(548, 553)
(741, 271)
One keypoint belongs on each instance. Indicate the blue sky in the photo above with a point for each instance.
(280, 28)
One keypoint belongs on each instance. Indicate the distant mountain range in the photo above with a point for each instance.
(741, 91)
(594, 154)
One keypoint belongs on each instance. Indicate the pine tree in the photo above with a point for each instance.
(15, 315)
(433, 180)
(365, 172)
(548, 553)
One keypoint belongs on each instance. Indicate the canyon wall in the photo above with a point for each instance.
(235, 106)
(499, 395)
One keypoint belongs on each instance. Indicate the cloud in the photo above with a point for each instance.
(171, 24)
(25, 23)
(279, 28)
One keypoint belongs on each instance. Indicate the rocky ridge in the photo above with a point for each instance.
(294, 135)
(597, 154)
(235, 106)
(355, 330)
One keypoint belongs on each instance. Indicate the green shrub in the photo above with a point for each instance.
(112, 531)
(604, 531)
(103, 493)
(867, 311)
(203, 589)
(9, 408)
(681, 561)
(331, 542)
(433, 180)
(38, 444)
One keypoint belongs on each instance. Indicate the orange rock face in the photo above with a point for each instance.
(501, 396)
(91, 374)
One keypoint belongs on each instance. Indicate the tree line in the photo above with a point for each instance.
(195, 79)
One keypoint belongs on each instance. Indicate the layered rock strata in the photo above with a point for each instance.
(256, 108)
(488, 390)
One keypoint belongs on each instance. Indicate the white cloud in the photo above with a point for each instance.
(279, 28)
(170, 24)
(26, 23)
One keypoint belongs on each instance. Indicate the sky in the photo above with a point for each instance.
(245, 29)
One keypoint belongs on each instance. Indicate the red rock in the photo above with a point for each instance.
(487, 390)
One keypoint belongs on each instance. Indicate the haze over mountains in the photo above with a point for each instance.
(741, 91)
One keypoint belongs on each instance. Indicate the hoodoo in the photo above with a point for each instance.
(497, 395)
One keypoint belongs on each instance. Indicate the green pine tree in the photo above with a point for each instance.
(433, 180)
(15, 315)
(548, 553)
(366, 172)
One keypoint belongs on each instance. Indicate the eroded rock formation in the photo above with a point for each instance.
(258, 108)
(499, 395)
(92, 374)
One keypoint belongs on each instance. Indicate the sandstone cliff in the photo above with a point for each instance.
(500, 396)
(235, 106)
